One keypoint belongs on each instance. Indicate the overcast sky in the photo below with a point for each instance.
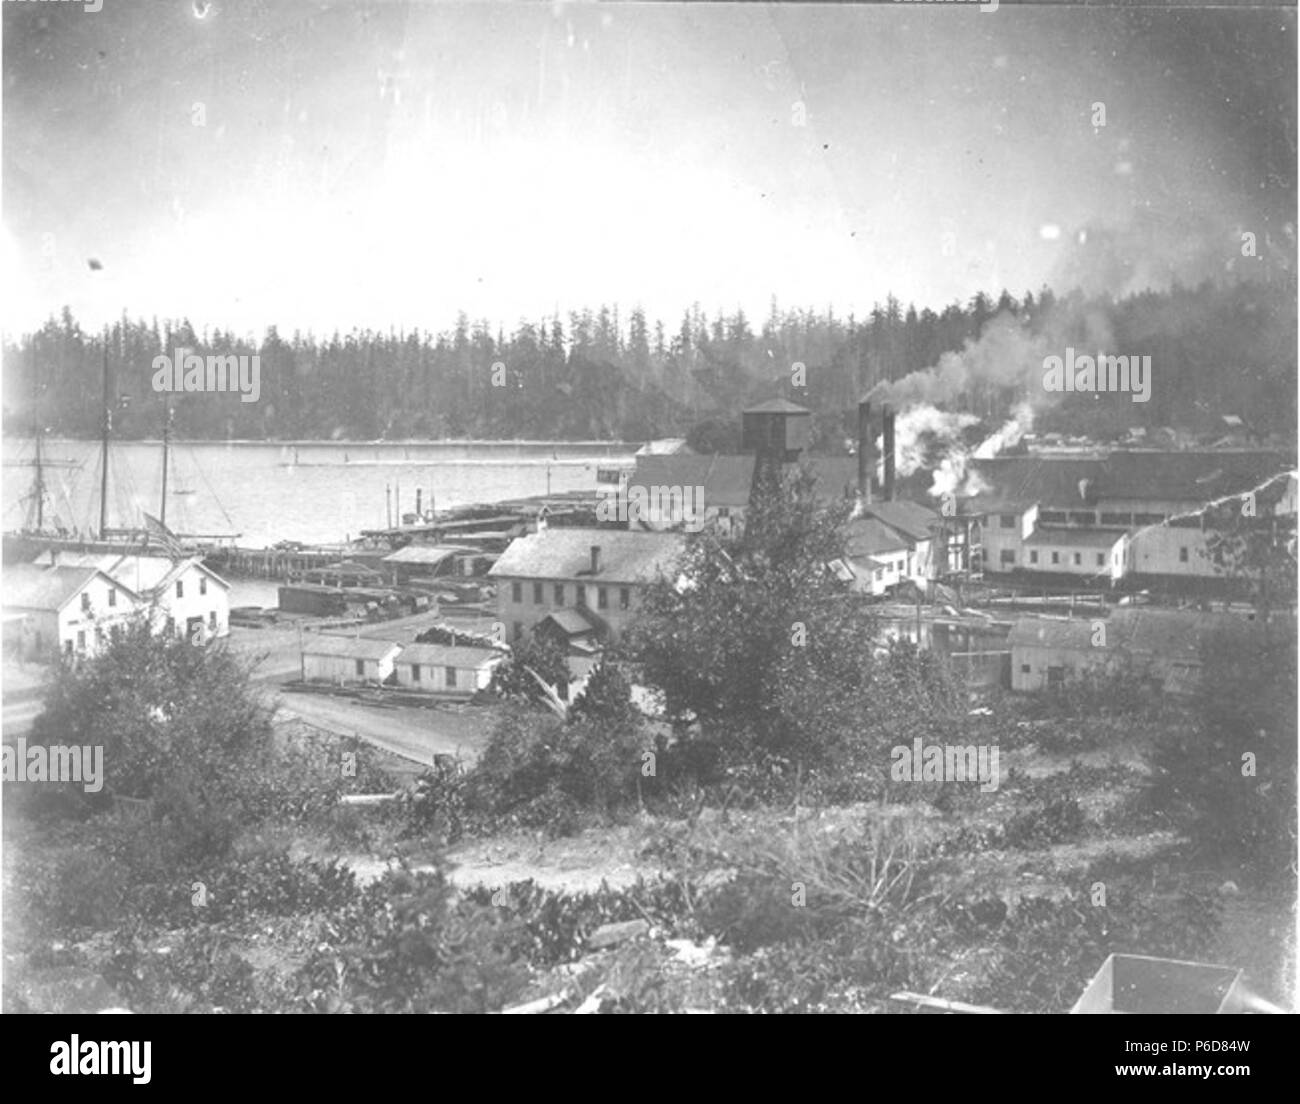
(325, 165)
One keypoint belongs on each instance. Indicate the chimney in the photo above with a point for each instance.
(889, 453)
(864, 452)
(595, 559)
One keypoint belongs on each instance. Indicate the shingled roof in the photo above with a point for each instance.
(625, 556)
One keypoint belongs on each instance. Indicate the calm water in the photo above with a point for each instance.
(315, 492)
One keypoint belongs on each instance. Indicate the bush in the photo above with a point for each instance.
(1236, 808)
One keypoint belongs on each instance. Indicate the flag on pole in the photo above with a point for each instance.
(164, 536)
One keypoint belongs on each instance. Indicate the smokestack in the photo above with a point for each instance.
(864, 452)
(889, 453)
(595, 559)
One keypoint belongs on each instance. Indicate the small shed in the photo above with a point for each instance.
(451, 670)
(347, 660)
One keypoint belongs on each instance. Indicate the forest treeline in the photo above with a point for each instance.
(599, 374)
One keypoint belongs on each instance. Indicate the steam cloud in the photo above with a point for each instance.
(1004, 357)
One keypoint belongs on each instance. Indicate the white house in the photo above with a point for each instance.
(912, 521)
(347, 660)
(73, 610)
(186, 597)
(445, 669)
(876, 555)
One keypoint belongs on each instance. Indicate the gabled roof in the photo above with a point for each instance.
(569, 621)
(911, 519)
(28, 586)
(448, 655)
(625, 556)
(348, 647)
(142, 574)
(868, 537)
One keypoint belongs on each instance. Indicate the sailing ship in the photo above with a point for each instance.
(45, 528)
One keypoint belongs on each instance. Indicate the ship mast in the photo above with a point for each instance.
(39, 487)
(103, 453)
(167, 425)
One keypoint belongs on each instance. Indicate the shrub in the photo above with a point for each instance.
(1235, 808)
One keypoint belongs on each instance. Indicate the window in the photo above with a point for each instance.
(171, 626)
(559, 594)
(180, 588)
(1055, 677)
(1078, 559)
(1024, 668)
(67, 647)
(1101, 559)
(537, 594)
(1082, 517)
(1182, 554)
(580, 594)
(516, 629)
(361, 668)
(624, 597)
(1148, 519)
(415, 672)
(451, 678)
(879, 574)
(85, 602)
(602, 598)
(115, 633)
(1007, 521)
(203, 584)
(724, 511)
(1007, 556)
(516, 592)
(1117, 519)
(212, 620)
(112, 596)
(1033, 556)
(1056, 557)
(1049, 517)
(81, 640)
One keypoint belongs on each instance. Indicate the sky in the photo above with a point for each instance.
(325, 165)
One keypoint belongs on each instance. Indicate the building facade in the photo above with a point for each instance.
(602, 573)
(68, 610)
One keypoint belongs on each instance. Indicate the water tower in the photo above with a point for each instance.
(776, 431)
